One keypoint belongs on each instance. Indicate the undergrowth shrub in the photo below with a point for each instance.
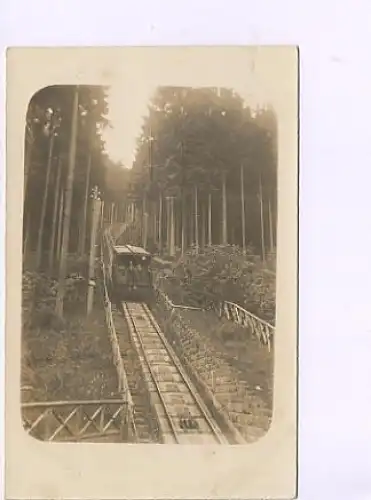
(223, 273)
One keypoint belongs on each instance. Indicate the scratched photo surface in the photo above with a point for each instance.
(157, 243)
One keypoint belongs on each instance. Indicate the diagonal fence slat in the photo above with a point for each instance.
(91, 420)
(39, 419)
(63, 424)
(64, 412)
(112, 420)
(61, 421)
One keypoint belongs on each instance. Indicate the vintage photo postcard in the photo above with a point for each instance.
(151, 331)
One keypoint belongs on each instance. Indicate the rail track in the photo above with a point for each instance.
(183, 417)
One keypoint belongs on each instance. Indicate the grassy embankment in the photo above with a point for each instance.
(64, 359)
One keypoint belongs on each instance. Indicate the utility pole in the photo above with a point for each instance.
(96, 208)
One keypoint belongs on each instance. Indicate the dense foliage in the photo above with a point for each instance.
(223, 273)
(203, 147)
(199, 145)
(50, 112)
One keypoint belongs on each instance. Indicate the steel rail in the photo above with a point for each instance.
(175, 363)
(136, 336)
(192, 390)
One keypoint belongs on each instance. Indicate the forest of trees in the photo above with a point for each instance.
(205, 173)
(64, 159)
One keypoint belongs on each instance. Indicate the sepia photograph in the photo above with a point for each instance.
(150, 247)
(149, 274)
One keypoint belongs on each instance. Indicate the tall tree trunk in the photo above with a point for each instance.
(145, 221)
(184, 222)
(191, 224)
(209, 220)
(82, 238)
(243, 210)
(29, 146)
(68, 206)
(160, 224)
(102, 216)
(94, 229)
(271, 237)
(196, 219)
(27, 164)
(123, 211)
(60, 225)
(224, 214)
(172, 228)
(168, 224)
(262, 218)
(27, 236)
(178, 223)
(203, 225)
(155, 224)
(55, 213)
(111, 213)
(39, 248)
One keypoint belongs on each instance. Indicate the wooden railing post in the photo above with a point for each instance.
(126, 426)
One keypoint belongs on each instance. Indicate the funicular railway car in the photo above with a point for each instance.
(130, 273)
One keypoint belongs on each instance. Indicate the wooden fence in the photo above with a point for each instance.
(76, 420)
(263, 330)
(123, 385)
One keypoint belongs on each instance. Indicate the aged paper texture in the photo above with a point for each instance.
(190, 153)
